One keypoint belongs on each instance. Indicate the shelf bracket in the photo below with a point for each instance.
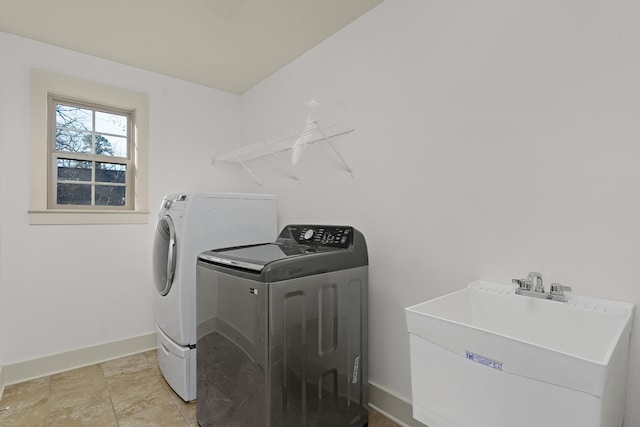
(283, 161)
(344, 162)
(277, 146)
(256, 179)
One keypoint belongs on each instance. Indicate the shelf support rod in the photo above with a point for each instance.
(283, 161)
(249, 171)
(344, 162)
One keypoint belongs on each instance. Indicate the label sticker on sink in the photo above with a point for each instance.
(495, 364)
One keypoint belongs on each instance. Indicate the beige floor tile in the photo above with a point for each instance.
(166, 415)
(21, 416)
(78, 383)
(80, 397)
(136, 392)
(90, 413)
(29, 390)
(28, 404)
(124, 392)
(152, 358)
(187, 409)
(378, 420)
(126, 365)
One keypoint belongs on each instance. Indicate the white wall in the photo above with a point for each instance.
(3, 166)
(492, 138)
(70, 287)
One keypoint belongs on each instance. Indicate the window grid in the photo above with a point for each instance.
(120, 164)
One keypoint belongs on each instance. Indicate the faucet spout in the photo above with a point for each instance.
(535, 279)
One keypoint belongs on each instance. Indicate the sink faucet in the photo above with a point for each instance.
(532, 286)
(535, 280)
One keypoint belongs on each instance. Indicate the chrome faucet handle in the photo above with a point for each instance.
(558, 289)
(535, 279)
(522, 284)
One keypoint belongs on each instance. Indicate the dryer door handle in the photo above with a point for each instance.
(164, 255)
(171, 255)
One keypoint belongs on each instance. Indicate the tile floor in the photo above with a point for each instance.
(124, 392)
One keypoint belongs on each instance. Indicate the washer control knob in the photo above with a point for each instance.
(167, 204)
(308, 234)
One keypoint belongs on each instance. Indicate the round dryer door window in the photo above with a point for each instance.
(164, 255)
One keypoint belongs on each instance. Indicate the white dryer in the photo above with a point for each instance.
(188, 224)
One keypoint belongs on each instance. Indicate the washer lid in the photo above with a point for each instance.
(300, 250)
(256, 257)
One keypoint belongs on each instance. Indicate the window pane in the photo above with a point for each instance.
(74, 194)
(92, 154)
(111, 123)
(110, 195)
(72, 141)
(111, 146)
(74, 170)
(111, 172)
(73, 117)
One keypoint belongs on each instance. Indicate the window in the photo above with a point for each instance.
(88, 152)
(91, 149)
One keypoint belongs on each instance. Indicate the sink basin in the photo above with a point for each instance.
(486, 357)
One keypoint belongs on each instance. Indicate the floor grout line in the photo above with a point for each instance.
(46, 421)
(106, 383)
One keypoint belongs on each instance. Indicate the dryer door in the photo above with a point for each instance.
(164, 255)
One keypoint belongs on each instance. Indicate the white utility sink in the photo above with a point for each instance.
(486, 357)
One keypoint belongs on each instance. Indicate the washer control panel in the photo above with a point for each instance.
(320, 235)
(175, 204)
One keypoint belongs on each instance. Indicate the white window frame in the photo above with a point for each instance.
(93, 158)
(46, 83)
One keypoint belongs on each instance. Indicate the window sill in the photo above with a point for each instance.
(67, 217)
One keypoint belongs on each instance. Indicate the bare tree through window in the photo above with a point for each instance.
(91, 154)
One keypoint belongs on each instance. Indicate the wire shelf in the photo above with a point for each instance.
(298, 137)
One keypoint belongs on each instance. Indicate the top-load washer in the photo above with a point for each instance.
(189, 223)
(282, 331)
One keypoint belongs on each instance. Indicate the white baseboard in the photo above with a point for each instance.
(392, 406)
(1, 381)
(48, 365)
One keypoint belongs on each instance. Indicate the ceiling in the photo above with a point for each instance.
(230, 45)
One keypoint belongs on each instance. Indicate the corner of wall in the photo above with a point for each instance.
(392, 406)
(1, 381)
